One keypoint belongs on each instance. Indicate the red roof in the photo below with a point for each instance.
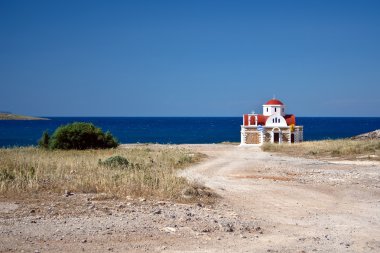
(274, 102)
(290, 119)
(261, 119)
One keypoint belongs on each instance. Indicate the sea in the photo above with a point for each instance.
(179, 130)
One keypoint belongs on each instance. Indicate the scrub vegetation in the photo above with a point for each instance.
(342, 148)
(139, 171)
(78, 135)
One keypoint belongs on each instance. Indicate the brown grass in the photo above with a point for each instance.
(153, 174)
(343, 148)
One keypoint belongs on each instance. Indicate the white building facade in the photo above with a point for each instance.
(273, 126)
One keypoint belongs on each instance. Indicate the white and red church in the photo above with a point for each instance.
(273, 126)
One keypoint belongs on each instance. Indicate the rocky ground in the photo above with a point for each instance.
(374, 135)
(268, 203)
(81, 222)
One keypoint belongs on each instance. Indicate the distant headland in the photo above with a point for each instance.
(11, 116)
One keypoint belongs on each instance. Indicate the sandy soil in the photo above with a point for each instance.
(269, 203)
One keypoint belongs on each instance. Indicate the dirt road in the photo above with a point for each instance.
(269, 203)
(302, 204)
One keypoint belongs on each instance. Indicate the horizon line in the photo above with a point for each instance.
(92, 116)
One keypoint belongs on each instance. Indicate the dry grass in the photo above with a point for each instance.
(152, 173)
(343, 148)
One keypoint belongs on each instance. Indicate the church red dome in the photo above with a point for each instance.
(274, 102)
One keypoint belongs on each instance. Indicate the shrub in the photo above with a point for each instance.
(80, 135)
(115, 162)
(44, 141)
(6, 175)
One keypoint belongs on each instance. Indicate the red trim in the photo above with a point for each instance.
(252, 120)
(245, 119)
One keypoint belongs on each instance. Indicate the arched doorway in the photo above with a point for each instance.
(276, 135)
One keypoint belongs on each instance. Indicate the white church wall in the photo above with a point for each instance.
(276, 121)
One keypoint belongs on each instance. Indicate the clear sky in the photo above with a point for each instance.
(189, 58)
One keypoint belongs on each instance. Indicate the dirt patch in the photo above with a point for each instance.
(82, 222)
(274, 178)
(6, 207)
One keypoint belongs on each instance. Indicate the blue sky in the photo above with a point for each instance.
(189, 58)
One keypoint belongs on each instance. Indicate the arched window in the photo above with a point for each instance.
(273, 120)
(275, 109)
(267, 109)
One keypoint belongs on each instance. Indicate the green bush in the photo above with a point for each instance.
(115, 162)
(81, 135)
(44, 141)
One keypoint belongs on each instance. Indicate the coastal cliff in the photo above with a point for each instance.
(11, 116)
(374, 135)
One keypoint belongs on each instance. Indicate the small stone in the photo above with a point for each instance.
(206, 230)
(84, 241)
(157, 211)
(228, 227)
(68, 193)
(32, 211)
(169, 229)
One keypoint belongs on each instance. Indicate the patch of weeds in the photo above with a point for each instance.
(196, 190)
(312, 152)
(28, 173)
(115, 162)
(6, 175)
(184, 160)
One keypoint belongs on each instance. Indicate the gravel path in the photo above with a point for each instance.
(303, 204)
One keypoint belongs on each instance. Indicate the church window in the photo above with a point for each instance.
(275, 109)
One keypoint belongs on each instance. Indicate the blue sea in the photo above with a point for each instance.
(177, 130)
